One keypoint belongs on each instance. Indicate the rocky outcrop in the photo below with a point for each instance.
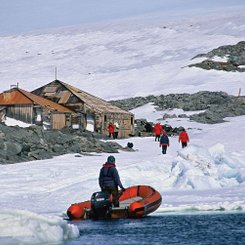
(233, 55)
(217, 105)
(143, 128)
(33, 143)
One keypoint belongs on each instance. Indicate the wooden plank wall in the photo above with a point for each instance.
(125, 121)
(21, 112)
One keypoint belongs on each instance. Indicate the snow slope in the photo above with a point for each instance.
(18, 16)
(104, 59)
(118, 61)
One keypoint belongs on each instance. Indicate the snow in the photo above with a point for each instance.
(205, 176)
(220, 59)
(13, 122)
(116, 61)
(150, 113)
(31, 228)
(106, 58)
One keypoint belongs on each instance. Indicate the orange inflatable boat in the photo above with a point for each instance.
(134, 202)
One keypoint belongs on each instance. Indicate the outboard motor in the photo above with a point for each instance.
(101, 205)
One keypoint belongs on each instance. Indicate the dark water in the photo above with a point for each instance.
(214, 228)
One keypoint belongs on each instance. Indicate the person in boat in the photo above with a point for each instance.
(183, 138)
(109, 179)
(164, 142)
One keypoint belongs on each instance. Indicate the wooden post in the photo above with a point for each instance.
(239, 92)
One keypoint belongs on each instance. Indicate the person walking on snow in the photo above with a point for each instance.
(109, 180)
(183, 138)
(116, 130)
(111, 130)
(157, 131)
(164, 142)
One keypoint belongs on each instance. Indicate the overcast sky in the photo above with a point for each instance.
(18, 16)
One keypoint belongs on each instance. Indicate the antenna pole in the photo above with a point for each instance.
(55, 73)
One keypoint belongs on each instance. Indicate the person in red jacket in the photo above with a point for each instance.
(111, 130)
(157, 131)
(183, 138)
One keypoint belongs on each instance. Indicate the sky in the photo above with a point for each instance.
(17, 16)
(119, 61)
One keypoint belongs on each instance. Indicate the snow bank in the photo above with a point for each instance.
(220, 199)
(13, 122)
(24, 227)
(198, 168)
(150, 113)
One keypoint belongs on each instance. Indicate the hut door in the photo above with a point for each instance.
(90, 123)
(58, 121)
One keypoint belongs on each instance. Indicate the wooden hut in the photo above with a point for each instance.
(30, 108)
(97, 112)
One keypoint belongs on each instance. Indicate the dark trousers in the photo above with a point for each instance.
(115, 135)
(157, 138)
(164, 149)
(184, 144)
(114, 193)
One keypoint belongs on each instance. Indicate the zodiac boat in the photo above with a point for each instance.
(134, 202)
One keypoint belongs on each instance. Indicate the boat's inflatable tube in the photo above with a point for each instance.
(149, 202)
(77, 210)
(140, 200)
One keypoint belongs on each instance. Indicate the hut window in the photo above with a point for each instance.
(132, 120)
(105, 118)
(73, 99)
(50, 89)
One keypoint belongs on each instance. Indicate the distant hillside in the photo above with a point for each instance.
(217, 105)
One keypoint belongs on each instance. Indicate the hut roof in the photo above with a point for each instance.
(91, 102)
(21, 97)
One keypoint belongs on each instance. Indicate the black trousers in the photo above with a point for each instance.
(115, 135)
(157, 137)
(164, 149)
(115, 195)
(184, 144)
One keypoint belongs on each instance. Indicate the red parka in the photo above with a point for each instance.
(183, 137)
(111, 128)
(157, 129)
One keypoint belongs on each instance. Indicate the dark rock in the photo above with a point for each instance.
(217, 106)
(24, 144)
(234, 54)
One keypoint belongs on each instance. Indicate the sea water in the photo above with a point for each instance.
(190, 229)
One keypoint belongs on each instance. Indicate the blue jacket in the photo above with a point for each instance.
(109, 177)
(164, 140)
